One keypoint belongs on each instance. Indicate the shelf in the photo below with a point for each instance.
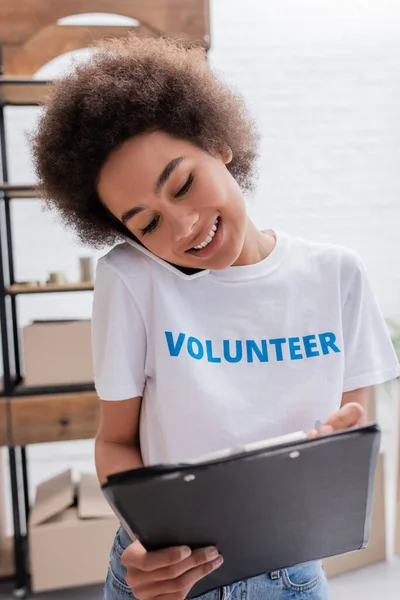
(49, 288)
(53, 418)
(22, 91)
(18, 191)
(3, 423)
(22, 390)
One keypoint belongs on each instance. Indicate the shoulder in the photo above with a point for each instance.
(122, 280)
(122, 258)
(124, 263)
(327, 257)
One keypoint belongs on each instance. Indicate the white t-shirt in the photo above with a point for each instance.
(228, 357)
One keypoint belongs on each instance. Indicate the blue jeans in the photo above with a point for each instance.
(302, 582)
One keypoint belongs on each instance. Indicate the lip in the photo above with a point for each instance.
(202, 236)
(212, 247)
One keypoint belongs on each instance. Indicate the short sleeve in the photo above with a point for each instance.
(370, 358)
(118, 338)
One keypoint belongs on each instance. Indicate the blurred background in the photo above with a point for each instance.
(322, 79)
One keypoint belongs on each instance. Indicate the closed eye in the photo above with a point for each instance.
(186, 187)
(184, 190)
(151, 226)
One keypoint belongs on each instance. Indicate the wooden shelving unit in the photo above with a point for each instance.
(18, 91)
(3, 423)
(53, 418)
(21, 390)
(28, 415)
(18, 191)
(48, 288)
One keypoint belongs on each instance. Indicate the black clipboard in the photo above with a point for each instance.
(265, 509)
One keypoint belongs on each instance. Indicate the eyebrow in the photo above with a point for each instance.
(167, 172)
(161, 181)
(132, 212)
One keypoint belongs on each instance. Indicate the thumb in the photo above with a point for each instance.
(133, 554)
(349, 415)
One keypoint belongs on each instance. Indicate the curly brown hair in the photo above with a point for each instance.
(127, 87)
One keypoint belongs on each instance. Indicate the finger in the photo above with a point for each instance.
(197, 558)
(348, 415)
(177, 596)
(312, 434)
(179, 587)
(136, 556)
(169, 597)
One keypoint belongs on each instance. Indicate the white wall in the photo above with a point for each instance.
(323, 80)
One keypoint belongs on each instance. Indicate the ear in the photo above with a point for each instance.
(227, 155)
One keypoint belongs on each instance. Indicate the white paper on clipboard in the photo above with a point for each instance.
(297, 436)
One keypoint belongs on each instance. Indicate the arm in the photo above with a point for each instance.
(117, 445)
(170, 572)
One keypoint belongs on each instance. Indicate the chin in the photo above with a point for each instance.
(217, 263)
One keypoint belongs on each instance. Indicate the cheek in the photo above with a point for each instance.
(235, 204)
(220, 192)
(232, 191)
(159, 244)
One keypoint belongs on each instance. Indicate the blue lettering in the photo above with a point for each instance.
(239, 352)
(327, 340)
(294, 348)
(310, 343)
(233, 350)
(251, 347)
(210, 357)
(174, 348)
(192, 341)
(278, 343)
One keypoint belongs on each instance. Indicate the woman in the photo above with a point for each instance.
(207, 333)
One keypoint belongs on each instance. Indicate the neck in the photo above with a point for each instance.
(257, 246)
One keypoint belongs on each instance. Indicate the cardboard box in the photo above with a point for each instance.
(6, 557)
(71, 531)
(376, 550)
(6, 545)
(2, 496)
(397, 532)
(57, 353)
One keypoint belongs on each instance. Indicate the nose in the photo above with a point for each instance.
(183, 223)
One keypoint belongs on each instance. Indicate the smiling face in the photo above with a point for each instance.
(178, 200)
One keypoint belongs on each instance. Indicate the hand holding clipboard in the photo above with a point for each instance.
(179, 568)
